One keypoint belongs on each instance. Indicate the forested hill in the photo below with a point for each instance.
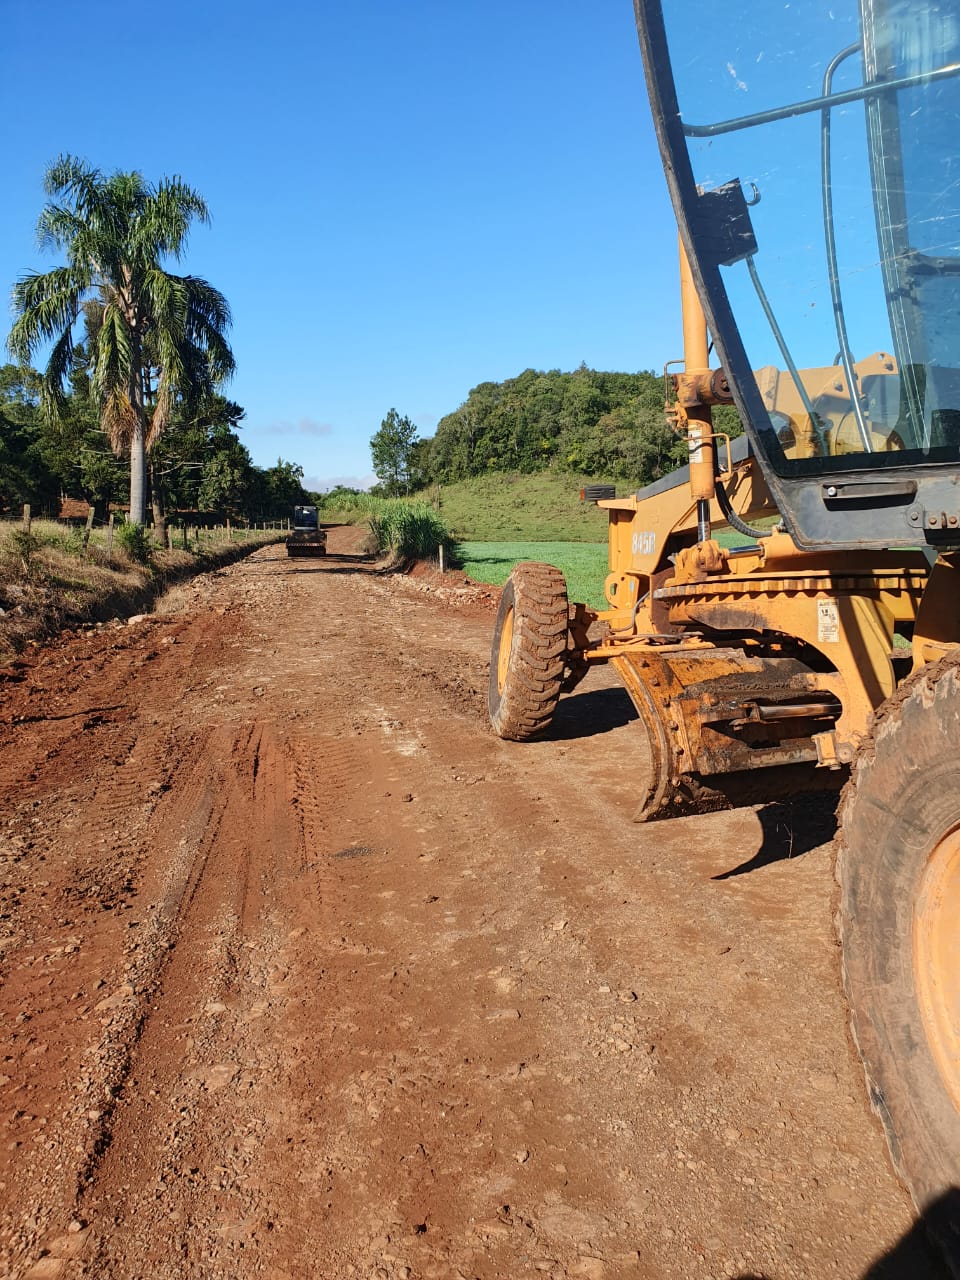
(587, 421)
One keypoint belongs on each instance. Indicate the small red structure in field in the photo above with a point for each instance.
(73, 509)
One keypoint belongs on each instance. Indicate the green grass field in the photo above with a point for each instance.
(508, 507)
(584, 564)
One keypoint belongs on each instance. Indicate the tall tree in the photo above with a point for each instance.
(21, 478)
(181, 458)
(285, 487)
(155, 337)
(391, 450)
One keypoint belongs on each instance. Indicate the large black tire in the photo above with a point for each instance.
(530, 642)
(899, 923)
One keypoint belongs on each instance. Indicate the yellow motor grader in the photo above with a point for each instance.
(785, 611)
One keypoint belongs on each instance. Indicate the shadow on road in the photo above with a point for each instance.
(305, 564)
(329, 563)
(790, 828)
(914, 1257)
(584, 714)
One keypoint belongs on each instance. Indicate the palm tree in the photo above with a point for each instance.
(155, 338)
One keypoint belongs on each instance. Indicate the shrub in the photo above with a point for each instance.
(409, 530)
(69, 541)
(23, 544)
(135, 541)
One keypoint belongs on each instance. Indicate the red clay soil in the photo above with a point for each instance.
(305, 974)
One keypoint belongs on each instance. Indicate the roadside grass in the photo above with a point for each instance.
(48, 581)
(409, 530)
(584, 564)
(350, 508)
(403, 528)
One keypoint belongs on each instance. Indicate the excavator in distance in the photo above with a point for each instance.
(784, 612)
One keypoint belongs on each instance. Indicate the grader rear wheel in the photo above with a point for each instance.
(899, 873)
(530, 642)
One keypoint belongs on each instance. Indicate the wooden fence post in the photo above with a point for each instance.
(85, 539)
(26, 517)
(169, 537)
(110, 534)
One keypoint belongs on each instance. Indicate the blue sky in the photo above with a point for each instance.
(407, 198)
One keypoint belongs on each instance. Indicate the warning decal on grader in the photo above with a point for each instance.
(828, 622)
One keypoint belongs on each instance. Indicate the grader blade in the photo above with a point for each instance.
(727, 728)
(697, 794)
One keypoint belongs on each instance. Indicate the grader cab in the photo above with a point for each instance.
(785, 611)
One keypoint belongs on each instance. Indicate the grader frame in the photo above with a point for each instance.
(760, 656)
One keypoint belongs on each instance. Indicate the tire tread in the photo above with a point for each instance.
(535, 674)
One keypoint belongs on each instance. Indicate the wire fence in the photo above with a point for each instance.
(81, 532)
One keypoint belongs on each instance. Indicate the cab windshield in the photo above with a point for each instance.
(823, 141)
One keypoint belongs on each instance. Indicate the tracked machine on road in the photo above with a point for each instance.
(785, 611)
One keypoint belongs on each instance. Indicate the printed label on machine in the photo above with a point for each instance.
(643, 542)
(828, 622)
(695, 443)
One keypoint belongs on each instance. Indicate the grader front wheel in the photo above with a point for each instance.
(899, 872)
(530, 642)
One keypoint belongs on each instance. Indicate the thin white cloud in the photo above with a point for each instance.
(302, 427)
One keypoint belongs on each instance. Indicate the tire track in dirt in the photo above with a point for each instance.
(157, 1169)
(119, 960)
(205, 1110)
(72, 956)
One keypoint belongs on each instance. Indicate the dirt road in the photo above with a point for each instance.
(306, 974)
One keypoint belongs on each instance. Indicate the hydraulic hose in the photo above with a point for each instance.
(731, 517)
